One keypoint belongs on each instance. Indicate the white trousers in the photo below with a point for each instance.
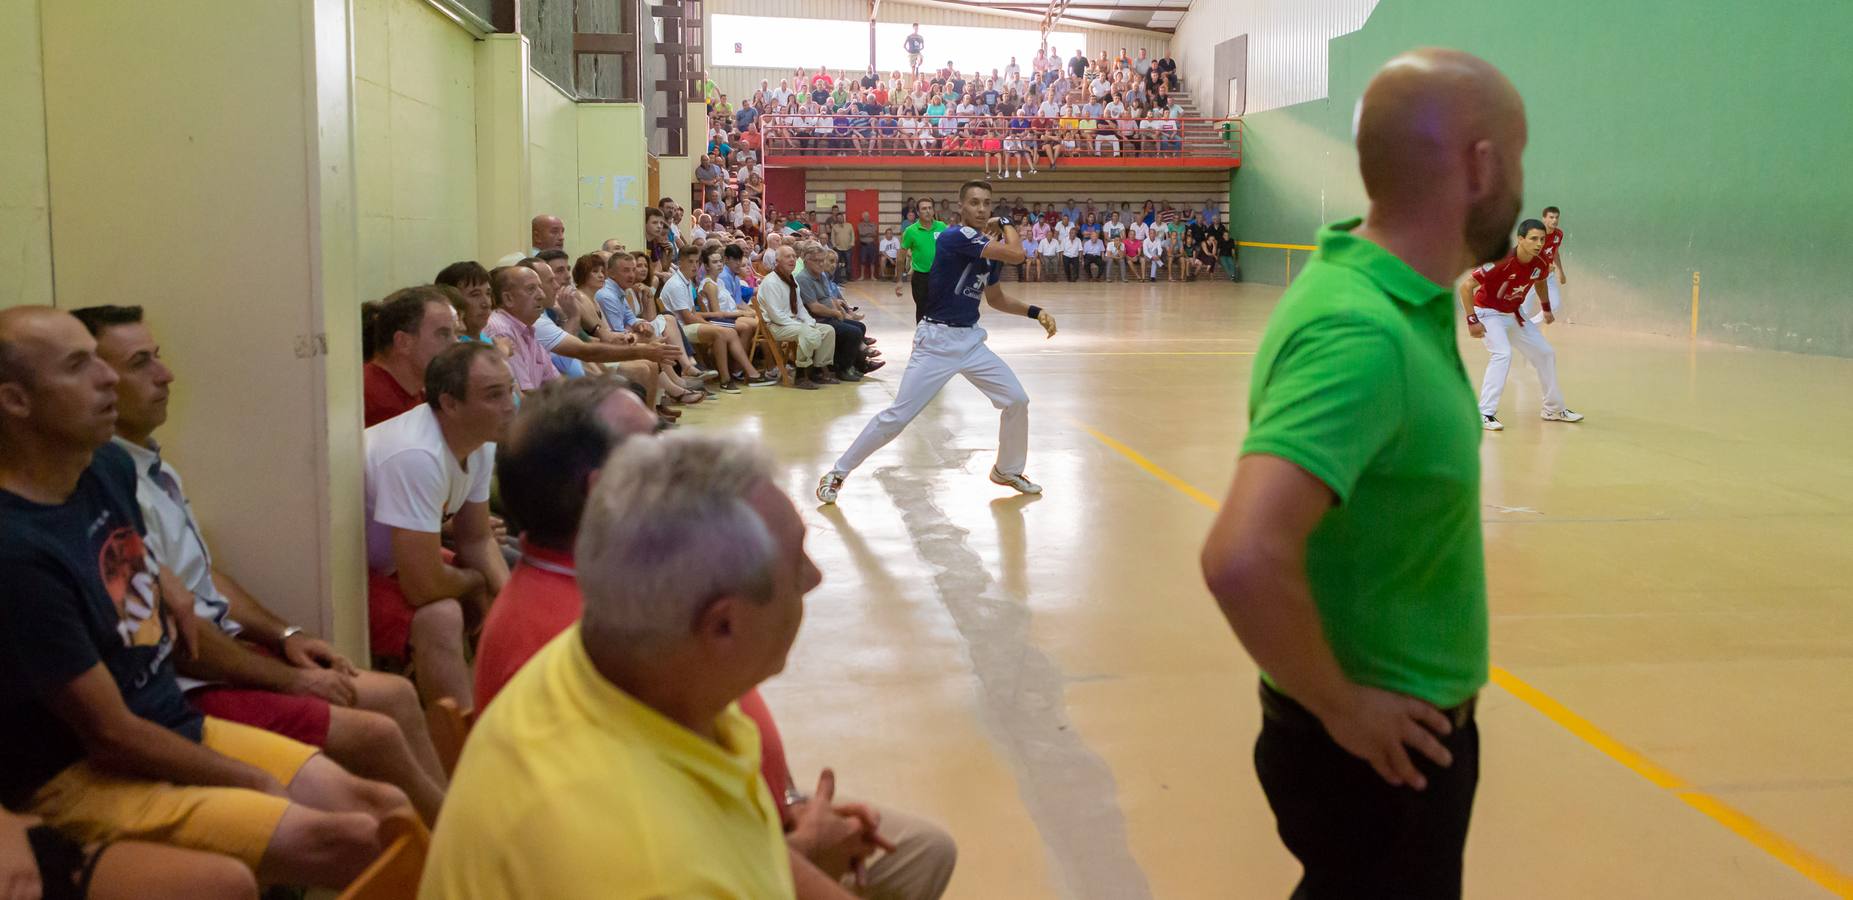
(1533, 310)
(1503, 332)
(940, 352)
(816, 343)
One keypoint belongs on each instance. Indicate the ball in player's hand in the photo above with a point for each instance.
(1047, 320)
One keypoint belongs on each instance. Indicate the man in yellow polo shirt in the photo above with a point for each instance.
(1348, 555)
(616, 763)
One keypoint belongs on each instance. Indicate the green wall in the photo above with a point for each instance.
(1707, 136)
(414, 143)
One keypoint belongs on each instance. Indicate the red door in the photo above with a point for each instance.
(855, 203)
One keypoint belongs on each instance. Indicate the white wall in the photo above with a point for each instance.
(1287, 61)
(738, 83)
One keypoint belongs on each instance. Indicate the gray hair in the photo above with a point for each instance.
(666, 530)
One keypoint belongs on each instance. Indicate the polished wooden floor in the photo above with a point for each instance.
(1671, 585)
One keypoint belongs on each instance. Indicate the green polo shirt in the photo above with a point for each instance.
(1359, 382)
(921, 243)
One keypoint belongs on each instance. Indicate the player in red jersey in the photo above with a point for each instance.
(1493, 295)
(1552, 253)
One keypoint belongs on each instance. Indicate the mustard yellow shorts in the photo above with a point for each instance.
(91, 806)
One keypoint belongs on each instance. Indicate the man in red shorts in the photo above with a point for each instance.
(1493, 295)
(254, 668)
(427, 466)
(547, 467)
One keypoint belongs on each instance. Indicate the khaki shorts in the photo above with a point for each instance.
(94, 806)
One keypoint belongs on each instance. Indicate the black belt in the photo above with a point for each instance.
(930, 321)
(1288, 711)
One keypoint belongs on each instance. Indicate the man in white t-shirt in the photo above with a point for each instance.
(1049, 248)
(890, 253)
(1154, 250)
(1071, 253)
(425, 467)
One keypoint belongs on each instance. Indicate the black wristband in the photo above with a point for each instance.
(1035, 312)
(1004, 220)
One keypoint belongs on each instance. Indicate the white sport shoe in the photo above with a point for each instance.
(1565, 415)
(1491, 424)
(1023, 485)
(829, 485)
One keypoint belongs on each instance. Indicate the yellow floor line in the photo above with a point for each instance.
(1785, 851)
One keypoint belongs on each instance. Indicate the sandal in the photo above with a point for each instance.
(690, 398)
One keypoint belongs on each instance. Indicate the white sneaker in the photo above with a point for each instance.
(829, 485)
(1023, 485)
(1491, 424)
(1565, 415)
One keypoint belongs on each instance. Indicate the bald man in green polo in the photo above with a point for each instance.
(918, 242)
(1347, 556)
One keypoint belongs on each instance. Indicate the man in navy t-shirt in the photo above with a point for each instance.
(966, 264)
(99, 742)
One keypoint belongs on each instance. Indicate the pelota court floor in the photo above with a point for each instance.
(1671, 585)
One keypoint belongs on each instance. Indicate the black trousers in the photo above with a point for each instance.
(1356, 835)
(1095, 266)
(848, 343)
(1071, 267)
(919, 285)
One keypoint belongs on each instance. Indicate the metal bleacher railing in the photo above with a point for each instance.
(798, 139)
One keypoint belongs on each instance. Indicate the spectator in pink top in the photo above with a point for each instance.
(518, 297)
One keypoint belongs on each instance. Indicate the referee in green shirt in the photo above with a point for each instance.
(918, 241)
(1347, 556)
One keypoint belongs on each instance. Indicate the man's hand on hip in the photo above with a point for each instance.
(1380, 726)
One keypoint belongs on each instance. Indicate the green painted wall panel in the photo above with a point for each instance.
(1707, 136)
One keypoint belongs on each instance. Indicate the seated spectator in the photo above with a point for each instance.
(472, 301)
(556, 446)
(1155, 249)
(711, 175)
(1115, 257)
(890, 249)
(787, 319)
(548, 233)
(101, 744)
(720, 337)
(401, 334)
(423, 469)
(1093, 253)
(625, 731)
(37, 861)
(717, 293)
(814, 291)
(253, 668)
(518, 317)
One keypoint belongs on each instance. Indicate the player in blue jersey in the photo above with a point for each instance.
(948, 342)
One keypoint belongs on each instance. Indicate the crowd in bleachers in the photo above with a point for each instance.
(1016, 120)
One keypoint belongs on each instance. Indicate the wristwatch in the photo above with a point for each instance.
(288, 633)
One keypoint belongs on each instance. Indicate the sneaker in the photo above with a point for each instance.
(707, 374)
(850, 376)
(1491, 424)
(1023, 485)
(829, 485)
(765, 379)
(731, 387)
(1566, 415)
